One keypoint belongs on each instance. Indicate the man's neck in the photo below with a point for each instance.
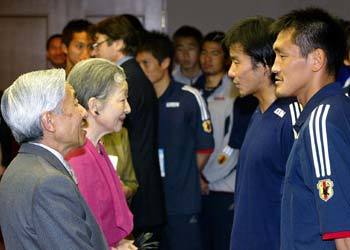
(119, 58)
(266, 96)
(161, 86)
(191, 72)
(69, 67)
(313, 87)
(54, 145)
(212, 81)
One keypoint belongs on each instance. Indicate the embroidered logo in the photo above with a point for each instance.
(193, 220)
(172, 104)
(325, 189)
(279, 112)
(219, 98)
(207, 126)
(222, 158)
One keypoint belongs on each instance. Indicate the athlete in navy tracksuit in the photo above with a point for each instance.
(315, 206)
(185, 144)
(315, 213)
(260, 176)
(267, 143)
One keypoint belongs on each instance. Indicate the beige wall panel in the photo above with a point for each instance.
(22, 46)
(221, 14)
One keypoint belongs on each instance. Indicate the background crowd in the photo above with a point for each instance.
(192, 142)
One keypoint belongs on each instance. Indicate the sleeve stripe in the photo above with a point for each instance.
(228, 150)
(325, 141)
(205, 151)
(320, 153)
(336, 235)
(292, 113)
(295, 110)
(318, 139)
(200, 100)
(298, 109)
(311, 131)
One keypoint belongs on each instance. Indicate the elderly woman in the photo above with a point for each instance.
(101, 88)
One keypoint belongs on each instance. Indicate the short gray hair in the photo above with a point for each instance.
(32, 94)
(95, 77)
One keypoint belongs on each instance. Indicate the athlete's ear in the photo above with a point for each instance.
(64, 49)
(347, 59)
(165, 63)
(266, 69)
(318, 59)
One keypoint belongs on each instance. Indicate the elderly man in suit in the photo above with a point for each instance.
(41, 207)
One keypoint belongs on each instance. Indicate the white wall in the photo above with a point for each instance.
(221, 14)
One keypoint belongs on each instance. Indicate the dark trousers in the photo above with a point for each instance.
(182, 232)
(216, 220)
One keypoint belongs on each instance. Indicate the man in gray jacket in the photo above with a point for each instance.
(41, 207)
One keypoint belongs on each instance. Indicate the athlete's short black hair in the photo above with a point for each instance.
(255, 37)
(314, 28)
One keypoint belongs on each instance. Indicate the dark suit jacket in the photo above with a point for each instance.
(41, 207)
(148, 203)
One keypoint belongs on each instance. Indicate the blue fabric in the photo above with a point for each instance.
(343, 74)
(243, 110)
(216, 220)
(200, 84)
(181, 135)
(260, 175)
(317, 194)
(181, 232)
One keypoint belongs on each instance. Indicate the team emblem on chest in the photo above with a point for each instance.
(325, 189)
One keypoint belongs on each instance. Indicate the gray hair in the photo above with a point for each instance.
(32, 94)
(95, 77)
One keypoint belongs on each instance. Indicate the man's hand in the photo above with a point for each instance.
(342, 244)
(2, 170)
(204, 186)
(127, 191)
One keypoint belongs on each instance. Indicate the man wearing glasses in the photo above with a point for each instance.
(76, 42)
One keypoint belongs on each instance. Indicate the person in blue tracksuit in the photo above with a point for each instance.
(267, 143)
(315, 214)
(185, 143)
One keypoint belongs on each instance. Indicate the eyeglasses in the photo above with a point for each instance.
(97, 44)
